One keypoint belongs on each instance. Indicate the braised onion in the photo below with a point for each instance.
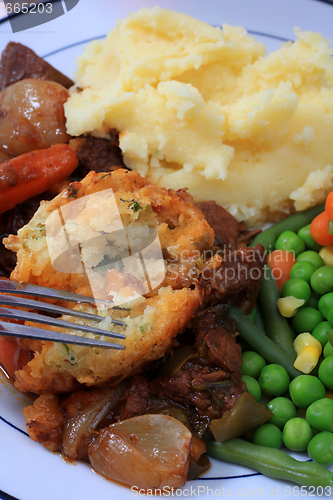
(148, 451)
(84, 422)
(31, 117)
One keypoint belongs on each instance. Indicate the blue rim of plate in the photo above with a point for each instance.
(76, 44)
(3, 494)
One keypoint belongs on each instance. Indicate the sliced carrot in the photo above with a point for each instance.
(12, 356)
(281, 262)
(319, 229)
(33, 173)
(329, 206)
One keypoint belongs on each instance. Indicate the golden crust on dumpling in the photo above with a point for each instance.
(148, 335)
(109, 203)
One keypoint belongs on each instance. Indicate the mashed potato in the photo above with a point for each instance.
(103, 216)
(202, 107)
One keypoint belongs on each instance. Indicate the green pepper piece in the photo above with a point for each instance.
(244, 416)
(172, 365)
(271, 462)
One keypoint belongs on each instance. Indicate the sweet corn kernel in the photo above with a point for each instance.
(303, 340)
(288, 306)
(326, 253)
(307, 359)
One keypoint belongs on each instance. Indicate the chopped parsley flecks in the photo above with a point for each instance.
(73, 189)
(71, 358)
(41, 229)
(72, 193)
(133, 205)
(145, 327)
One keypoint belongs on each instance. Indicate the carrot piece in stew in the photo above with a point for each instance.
(12, 356)
(33, 173)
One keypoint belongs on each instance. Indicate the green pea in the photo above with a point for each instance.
(283, 410)
(303, 270)
(330, 316)
(274, 380)
(297, 288)
(288, 240)
(310, 243)
(313, 300)
(325, 372)
(325, 303)
(322, 280)
(268, 435)
(305, 389)
(328, 350)
(320, 415)
(297, 434)
(311, 256)
(252, 364)
(252, 386)
(319, 332)
(320, 448)
(306, 319)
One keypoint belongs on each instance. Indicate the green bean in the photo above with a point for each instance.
(271, 462)
(259, 320)
(276, 326)
(270, 351)
(252, 315)
(293, 223)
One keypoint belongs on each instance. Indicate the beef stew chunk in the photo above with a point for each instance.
(100, 155)
(10, 222)
(225, 226)
(228, 232)
(235, 278)
(19, 62)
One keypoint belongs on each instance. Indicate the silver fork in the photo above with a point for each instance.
(9, 287)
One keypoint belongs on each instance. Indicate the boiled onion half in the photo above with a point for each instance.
(148, 451)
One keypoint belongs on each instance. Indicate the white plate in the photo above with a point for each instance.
(27, 470)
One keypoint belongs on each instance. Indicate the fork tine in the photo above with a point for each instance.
(30, 332)
(44, 306)
(17, 314)
(11, 286)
